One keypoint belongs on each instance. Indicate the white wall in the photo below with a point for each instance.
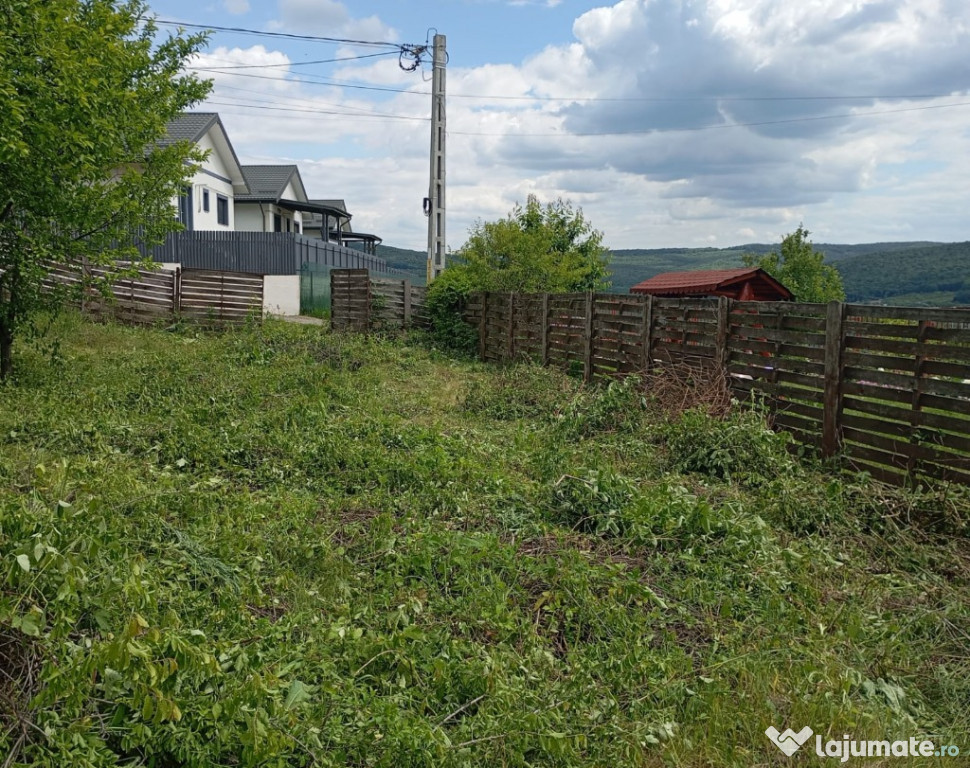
(249, 217)
(281, 294)
(216, 165)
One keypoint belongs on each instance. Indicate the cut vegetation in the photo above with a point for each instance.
(282, 547)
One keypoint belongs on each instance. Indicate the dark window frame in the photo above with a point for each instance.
(222, 210)
(205, 200)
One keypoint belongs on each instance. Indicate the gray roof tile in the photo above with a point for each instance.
(189, 126)
(266, 181)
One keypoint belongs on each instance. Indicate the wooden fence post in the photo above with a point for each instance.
(85, 271)
(721, 338)
(923, 326)
(544, 331)
(832, 400)
(483, 327)
(406, 321)
(177, 294)
(588, 338)
(646, 333)
(510, 319)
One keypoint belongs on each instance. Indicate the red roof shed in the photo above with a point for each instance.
(744, 283)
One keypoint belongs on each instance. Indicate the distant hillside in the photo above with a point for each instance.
(405, 262)
(912, 273)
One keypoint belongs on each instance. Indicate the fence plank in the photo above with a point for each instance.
(831, 437)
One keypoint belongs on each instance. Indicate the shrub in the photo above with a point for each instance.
(740, 448)
(445, 304)
(617, 407)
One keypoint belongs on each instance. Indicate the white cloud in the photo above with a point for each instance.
(329, 18)
(679, 78)
(236, 7)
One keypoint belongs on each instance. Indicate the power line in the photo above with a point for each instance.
(381, 115)
(286, 35)
(325, 81)
(712, 127)
(226, 68)
(293, 102)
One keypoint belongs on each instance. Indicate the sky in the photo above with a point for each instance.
(668, 122)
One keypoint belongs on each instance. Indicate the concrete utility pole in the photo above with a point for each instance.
(436, 192)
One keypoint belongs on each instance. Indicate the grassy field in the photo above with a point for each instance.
(281, 547)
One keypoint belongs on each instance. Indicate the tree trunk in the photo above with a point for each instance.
(6, 350)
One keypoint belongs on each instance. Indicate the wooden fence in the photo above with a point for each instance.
(220, 297)
(153, 296)
(362, 304)
(887, 387)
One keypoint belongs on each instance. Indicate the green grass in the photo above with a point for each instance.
(283, 547)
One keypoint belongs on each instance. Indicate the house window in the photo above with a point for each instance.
(185, 208)
(288, 225)
(277, 223)
(205, 200)
(222, 210)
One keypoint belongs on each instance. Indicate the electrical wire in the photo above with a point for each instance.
(381, 116)
(711, 127)
(355, 115)
(330, 82)
(286, 35)
(226, 68)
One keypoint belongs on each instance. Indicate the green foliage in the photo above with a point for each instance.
(445, 304)
(282, 547)
(909, 274)
(800, 268)
(740, 448)
(86, 93)
(939, 268)
(536, 248)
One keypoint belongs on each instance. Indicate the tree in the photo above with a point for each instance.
(86, 91)
(536, 248)
(800, 268)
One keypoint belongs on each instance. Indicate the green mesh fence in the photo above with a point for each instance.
(315, 289)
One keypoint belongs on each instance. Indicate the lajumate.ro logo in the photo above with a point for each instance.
(789, 742)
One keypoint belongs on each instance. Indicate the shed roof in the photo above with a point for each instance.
(710, 281)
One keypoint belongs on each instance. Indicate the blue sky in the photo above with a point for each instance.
(670, 122)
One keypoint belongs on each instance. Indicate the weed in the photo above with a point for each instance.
(277, 546)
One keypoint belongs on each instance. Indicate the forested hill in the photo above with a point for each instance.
(937, 274)
(913, 273)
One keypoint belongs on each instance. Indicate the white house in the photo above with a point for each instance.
(208, 202)
(236, 201)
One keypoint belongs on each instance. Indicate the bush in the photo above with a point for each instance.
(740, 448)
(617, 407)
(445, 304)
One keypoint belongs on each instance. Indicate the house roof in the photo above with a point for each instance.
(314, 208)
(267, 183)
(332, 204)
(335, 207)
(362, 237)
(711, 281)
(192, 126)
(189, 126)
